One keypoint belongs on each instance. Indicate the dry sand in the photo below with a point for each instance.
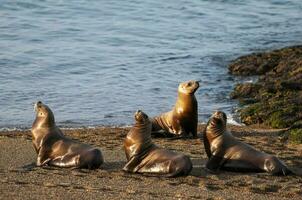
(20, 179)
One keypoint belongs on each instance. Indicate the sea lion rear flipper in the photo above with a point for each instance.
(161, 134)
(157, 124)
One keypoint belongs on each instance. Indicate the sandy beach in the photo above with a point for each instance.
(20, 179)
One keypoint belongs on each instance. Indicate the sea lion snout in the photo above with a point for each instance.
(138, 111)
(140, 116)
(198, 83)
(194, 84)
(218, 119)
(219, 115)
(37, 105)
(188, 87)
(137, 114)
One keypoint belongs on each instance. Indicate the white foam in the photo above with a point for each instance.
(6, 129)
(9, 129)
(233, 121)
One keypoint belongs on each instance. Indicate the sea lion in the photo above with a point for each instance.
(145, 157)
(226, 152)
(54, 149)
(183, 118)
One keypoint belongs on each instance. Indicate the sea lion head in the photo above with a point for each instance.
(44, 115)
(188, 87)
(139, 135)
(217, 122)
(143, 123)
(141, 117)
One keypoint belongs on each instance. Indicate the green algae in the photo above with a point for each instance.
(295, 135)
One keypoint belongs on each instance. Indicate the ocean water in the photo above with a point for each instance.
(96, 62)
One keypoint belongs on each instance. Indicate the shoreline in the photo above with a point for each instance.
(66, 127)
(19, 174)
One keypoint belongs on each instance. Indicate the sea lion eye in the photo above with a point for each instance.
(189, 84)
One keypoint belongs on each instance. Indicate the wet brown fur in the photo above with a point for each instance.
(145, 157)
(226, 152)
(54, 149)
(182, 120)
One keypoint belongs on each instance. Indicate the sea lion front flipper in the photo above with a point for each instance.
(41, 162)
(207, 145)
(132, 164)
(42, 158)
(214, 163)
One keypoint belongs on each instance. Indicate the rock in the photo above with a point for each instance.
(246, 90)
(276, 98)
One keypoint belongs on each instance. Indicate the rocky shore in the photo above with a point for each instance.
(275, 99)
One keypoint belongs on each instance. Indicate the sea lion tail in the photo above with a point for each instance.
(183, 170)
(92, 159)
(98, 159)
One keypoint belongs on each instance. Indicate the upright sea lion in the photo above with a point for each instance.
(226, 152)
(183, 118)
(54, 149)
(145, 157)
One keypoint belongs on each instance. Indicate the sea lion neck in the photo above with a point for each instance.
(142, 131)
(145, 126)
(214, 130)
(145, 123)
(185, 95)
(186, 101)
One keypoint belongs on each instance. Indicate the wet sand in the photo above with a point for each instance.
(20, 179)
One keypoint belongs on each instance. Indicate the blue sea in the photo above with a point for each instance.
(96, 62)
